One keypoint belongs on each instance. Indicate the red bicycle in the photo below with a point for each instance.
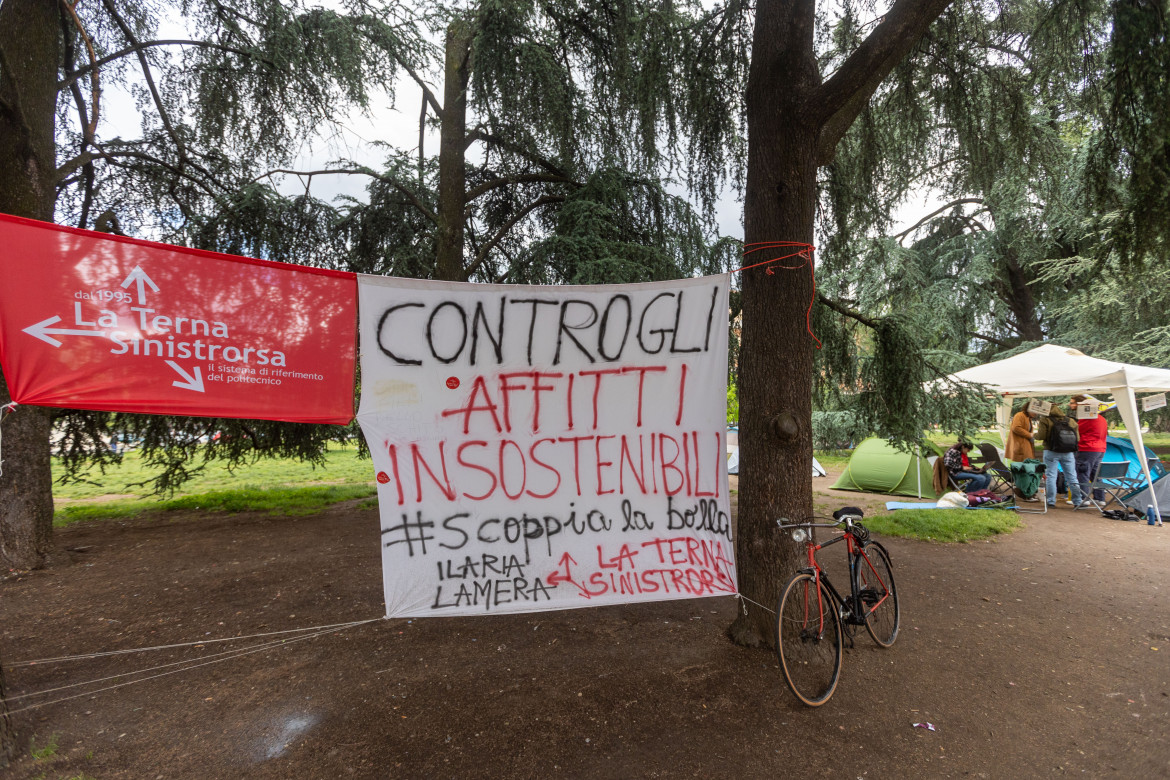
(811, 612)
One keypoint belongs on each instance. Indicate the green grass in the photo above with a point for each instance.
(275, 500)
(277, 486)
(48, 751)
(944, 525)
(342, 466)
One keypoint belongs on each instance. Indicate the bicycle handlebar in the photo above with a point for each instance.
(807, 524)
(845, 515)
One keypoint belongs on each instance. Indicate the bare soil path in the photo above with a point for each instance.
(1043, 653)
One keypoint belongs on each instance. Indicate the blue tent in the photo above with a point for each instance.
(1117, 449)
(1123, 450)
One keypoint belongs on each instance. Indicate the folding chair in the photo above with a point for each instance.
(1111, 478)
(955, 483)
(1001, 475)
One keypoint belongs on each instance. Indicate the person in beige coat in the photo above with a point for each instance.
(1020, 441)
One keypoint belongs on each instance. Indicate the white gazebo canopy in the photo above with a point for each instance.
(1054, 370)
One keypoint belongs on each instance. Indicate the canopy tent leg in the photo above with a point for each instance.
(1127, 405)
(1003, 417)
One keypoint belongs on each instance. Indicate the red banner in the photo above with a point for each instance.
(94, 321)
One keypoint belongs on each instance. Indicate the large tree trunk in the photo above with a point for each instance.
(26, 487)
(30, 50)
(30, 47)
(1017, 292)
(794, 124)
(776, 357)
(449, 264)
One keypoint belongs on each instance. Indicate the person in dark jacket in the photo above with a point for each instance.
(1051, 431)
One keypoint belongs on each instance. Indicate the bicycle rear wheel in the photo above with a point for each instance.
(808, 640)
(877, 587)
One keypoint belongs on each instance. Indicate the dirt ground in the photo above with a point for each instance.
(1042, 653)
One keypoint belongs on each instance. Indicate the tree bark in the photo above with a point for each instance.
(1017, 289)
(449, 263)
(30, 48)
(30, 51)
(7, 735)
(776, 355)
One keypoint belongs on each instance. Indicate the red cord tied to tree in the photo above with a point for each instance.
(803, 251)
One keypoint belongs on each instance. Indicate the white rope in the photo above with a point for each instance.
(758, 604)
(234, 654)
(11, 407)
(261, 646)
(184, 644)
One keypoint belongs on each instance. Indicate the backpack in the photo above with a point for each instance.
(1062, 438)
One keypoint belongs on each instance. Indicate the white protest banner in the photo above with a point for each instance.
(1151, 402)
(543, 448)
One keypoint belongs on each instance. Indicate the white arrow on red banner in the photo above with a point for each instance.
(189, 382)
(139, 276)
(42, 331)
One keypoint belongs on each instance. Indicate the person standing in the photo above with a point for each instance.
(1091, 447)
(1019, 441)
(1019, 444)
(1060, 438)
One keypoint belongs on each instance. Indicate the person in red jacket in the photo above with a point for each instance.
(1091, 448)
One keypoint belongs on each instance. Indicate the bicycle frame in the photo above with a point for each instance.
(855, 612)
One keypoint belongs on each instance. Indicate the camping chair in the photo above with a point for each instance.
(1028, 478)
(1111, 477)
(955, 483)
(1001, 475)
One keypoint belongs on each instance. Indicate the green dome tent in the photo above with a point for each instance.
(877, 467)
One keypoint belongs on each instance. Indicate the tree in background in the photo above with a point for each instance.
(255, 79)
(561, 126)
(1044, 154)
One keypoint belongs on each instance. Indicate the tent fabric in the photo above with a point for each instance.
(876, 466)
(1055, 370)
(1117, 449)
(1141, 500)
(1051, 369)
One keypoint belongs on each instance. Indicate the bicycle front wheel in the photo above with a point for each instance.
(878, 593)
(808, 640)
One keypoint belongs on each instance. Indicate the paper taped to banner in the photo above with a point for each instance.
(543, 448)
(94, 321)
